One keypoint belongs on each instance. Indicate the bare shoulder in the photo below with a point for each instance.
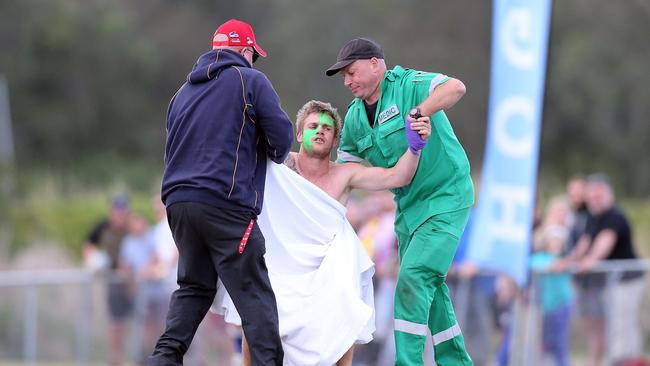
(290, 161)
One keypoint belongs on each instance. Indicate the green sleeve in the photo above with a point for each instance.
(423, 83)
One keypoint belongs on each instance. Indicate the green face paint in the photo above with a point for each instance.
(308, 134)
(325, 119)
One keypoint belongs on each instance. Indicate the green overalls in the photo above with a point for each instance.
(431, 212)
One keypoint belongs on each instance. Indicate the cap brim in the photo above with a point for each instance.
(337, 67)
(259, 50)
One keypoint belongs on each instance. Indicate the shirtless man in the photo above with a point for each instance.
(318, 127)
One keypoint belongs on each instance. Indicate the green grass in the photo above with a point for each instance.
(638, 212)
(64, 220)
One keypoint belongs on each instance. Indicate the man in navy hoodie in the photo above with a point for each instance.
(222, 125)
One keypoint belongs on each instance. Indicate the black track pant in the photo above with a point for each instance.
(208, 241)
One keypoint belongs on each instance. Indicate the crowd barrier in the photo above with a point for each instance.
(60, 315)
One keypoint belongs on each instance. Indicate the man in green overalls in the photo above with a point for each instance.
(432, 211)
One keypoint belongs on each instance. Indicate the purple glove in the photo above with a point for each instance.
(416, 143)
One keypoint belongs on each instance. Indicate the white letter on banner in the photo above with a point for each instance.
(516, 37)
(512, 146)
(513, 200)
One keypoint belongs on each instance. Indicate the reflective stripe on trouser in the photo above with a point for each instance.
(422, 298)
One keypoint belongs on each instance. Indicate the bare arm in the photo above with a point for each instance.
(575, 255)
(603, 244)
(376, 179)
(580, 249)
(443, 97)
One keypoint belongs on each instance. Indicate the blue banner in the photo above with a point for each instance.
(501, 236)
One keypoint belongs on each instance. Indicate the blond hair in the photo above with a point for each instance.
(316, 106)
(551, 229)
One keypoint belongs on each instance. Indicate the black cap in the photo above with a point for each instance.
(356, 49)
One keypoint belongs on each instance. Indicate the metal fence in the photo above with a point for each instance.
(523, 312)
(61, 316)
(25, 294)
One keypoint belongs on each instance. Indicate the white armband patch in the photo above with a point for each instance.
(347, 157)
(440, 79)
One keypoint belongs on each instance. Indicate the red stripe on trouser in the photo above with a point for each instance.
(244, 239)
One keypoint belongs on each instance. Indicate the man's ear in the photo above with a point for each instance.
(374, 64)
(299, 136)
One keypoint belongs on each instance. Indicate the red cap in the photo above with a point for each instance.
(236, 33)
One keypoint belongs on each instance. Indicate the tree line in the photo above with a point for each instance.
(90, 80)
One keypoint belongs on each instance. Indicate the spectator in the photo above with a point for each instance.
(506, 291)
(102, 247)
(215, 343)
(147, 290)
(608, 236)
(507, 295)
(576, 194)
(474, 295)
(554, 290)
(166, 251)
(101, 251)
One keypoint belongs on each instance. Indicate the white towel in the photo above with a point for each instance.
(320, 273)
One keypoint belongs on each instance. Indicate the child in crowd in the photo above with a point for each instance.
(554, 290)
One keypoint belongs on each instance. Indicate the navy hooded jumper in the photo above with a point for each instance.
(222, 124)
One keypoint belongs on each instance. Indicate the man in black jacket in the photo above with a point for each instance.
(222, 125)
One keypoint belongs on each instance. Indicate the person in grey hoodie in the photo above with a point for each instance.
(223, 124)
